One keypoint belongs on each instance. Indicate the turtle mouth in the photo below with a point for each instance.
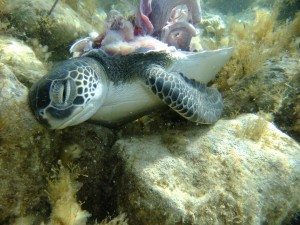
(79, 114)
(76, 116)
(39, 99)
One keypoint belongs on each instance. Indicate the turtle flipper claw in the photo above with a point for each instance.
(191, 99)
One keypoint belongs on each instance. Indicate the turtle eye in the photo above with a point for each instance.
(65, 91)
(62, 92)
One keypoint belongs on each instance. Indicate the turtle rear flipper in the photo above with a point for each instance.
(210, 63)
(191, 99)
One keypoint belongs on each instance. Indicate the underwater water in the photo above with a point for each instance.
(149, 112)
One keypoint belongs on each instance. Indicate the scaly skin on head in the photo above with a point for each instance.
(74, 89)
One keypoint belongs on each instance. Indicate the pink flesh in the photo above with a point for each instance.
(163, 16)
(162, 12)
(142, 20)
(178, 34)
(140, 42)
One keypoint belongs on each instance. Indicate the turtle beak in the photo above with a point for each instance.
(39, 99)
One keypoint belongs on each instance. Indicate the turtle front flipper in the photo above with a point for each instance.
(191, 99)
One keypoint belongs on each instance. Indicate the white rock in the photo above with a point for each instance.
(242, 171)
(21, 60)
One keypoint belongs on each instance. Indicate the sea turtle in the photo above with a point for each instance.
(118, 88)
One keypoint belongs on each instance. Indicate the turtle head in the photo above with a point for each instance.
(70, 93)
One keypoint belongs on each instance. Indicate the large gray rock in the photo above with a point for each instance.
(234, 6)
(24, 150)
(86, 146)
(273, 89)
(21, 60)
(241, 171)
(58, 30)
(28, 151)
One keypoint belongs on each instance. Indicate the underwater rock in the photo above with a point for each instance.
(24, 151)
(62, 195)
(224, 6)
(66, 210)
(287, 9)
(273, 89)
(241, 171)
(17, 121)
(85, 147)
(213, 31)
(21, 60)
(58, 30)
(213, 25)
(28, 150)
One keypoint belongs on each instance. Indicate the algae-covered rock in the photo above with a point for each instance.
(86, 147)
(17, 121)
(287, 9)
(273, 89)
(66, 210)
(28, 150)
(233, 6)
(242, 171)
(21, 60)
(213, 24)
(62, 195)
(57, 30)
(24, 151)
(213, 35)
